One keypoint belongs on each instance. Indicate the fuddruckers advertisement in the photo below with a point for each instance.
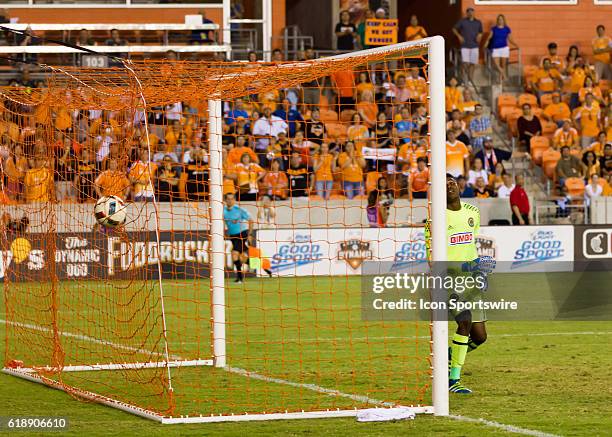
(28, 257)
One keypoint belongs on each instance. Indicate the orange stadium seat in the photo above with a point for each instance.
(505, 101)
(575, 187)
(529, 71)
(507, 112)
(605, 85)
(512, 122)
(550, 158)
(548, 128)
(528, 98)
(328, 115)
(538, 145)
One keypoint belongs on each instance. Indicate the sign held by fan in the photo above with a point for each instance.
(381, 32)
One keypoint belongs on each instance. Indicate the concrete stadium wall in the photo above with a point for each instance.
(296, 213)
(534, 26)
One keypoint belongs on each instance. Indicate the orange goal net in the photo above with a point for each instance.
(256, 195)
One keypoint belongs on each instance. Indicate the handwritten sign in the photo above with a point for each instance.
(380, 32)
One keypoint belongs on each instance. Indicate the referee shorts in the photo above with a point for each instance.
(240, 242)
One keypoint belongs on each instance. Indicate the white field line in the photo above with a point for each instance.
(85, 338)
(313, 387)
(319, 389)
(412, 337)
(504, 427)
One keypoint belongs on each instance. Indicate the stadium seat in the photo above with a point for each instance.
(512, 123)
(545, 100)
(575, 187)
(504, 101)
(507, 113)
(605, 85)
(528, 72)
(528, 98)
(328, 115)
(538, 145)
(372, 180)
(550, 158)
(548, 128)
(346, 116)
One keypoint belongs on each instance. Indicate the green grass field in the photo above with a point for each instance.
(549, 377)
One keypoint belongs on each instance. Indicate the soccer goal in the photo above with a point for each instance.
(148, 317)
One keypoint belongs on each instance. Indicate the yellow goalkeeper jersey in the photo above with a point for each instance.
(462, 227)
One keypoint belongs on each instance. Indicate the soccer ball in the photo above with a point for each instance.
(110, 211)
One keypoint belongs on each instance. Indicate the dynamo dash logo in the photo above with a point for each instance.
(542, 246)
(299, 252)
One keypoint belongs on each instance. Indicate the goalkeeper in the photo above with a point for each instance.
(463, 224)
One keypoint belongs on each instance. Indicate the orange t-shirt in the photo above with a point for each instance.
(415, 32)
(589, 120)
(453, 98)
(345, 82)
(38, 183)
(324, 173)
(419, 180)
(62, 119)
(558, 111)
(418, 86)
(455, 157)
(278, 181)
(602, 43)
(596, 91)
(577, 76)
(369, 111)
(248, 174)
(113, 183)
(546, 80)
(142, 174)
(352, 173)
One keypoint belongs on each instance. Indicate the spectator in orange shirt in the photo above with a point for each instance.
(590, 87)
(557, 111)
(453, 95)
(324, 167)
(602, 45)
(112, 182)
(364, 84)
(351, 163)
(566, 135)
(556, 60)
(344, 81)
(367, 108)
(141, 176)
(38, 182)
(547, 79)
(419, 179)
(597, 147)
(417, 85)
(587, 117)
(414, 31)
(275, 181)
(457, 155)
(577, 71)
(236, 152)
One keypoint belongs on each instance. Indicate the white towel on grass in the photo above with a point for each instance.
(385, 414)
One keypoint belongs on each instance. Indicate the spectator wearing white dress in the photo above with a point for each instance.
(592, 190)
(476, 172)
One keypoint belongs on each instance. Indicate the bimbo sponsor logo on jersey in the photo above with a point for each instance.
(411, 252)
(298, 252)
(461, 238)
(543, 245)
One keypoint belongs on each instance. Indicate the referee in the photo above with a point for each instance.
(239, 225)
